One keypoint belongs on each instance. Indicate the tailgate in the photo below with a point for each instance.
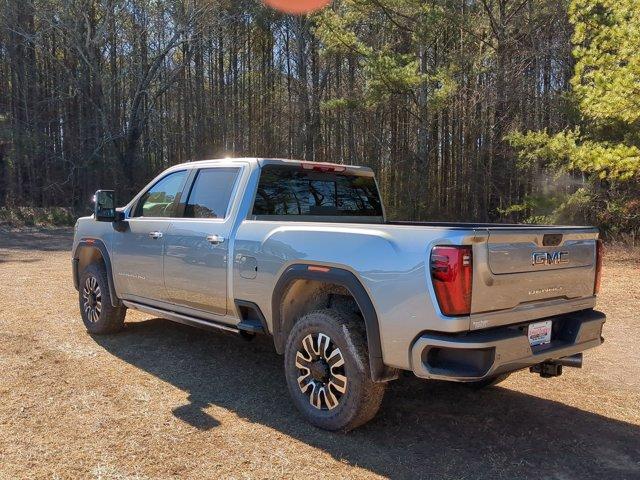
(529, 268)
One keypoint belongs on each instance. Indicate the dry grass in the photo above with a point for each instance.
(166, 401)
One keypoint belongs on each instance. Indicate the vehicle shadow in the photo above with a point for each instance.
(424, 429)
(43, 239)
(5, 258)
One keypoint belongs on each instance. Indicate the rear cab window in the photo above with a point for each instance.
(294, 193)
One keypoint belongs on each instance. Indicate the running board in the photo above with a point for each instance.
(179, 317)
(253, 320)
(250, 326)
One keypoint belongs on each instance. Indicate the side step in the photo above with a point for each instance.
(250, 326)
(180, 318)
(252, 323)
(253, 320)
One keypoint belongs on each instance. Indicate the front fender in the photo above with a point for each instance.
(89, 245)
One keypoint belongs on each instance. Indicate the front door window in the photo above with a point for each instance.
(160, 200)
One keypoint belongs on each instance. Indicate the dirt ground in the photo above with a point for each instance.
(161, 400)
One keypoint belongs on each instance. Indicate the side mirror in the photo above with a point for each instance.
(104, 208)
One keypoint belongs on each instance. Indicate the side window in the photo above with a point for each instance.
(159, 200)
(211, 193)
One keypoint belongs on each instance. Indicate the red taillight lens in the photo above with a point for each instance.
(323, 167)
(599, 254)
(452, 273)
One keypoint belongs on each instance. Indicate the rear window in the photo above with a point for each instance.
(291, 191)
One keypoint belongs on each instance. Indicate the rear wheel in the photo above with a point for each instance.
(327, 370)
(98, 315)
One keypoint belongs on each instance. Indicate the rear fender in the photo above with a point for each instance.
(379, 371)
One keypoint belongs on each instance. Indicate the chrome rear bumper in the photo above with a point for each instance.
(481, 354)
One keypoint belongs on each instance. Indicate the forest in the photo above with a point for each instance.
(479, 110)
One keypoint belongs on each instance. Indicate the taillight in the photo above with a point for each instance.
(452, 273)
(599, 254)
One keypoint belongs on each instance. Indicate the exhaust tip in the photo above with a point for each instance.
(574, 361)
(553, 368)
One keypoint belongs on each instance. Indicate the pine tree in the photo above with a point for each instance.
(604, 146)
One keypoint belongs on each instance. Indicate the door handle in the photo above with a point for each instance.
(215, 239)
(155, 235)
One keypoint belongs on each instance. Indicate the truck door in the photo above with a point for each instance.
(197, 245)
(138, 250)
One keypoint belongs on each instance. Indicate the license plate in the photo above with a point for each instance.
(540, 333)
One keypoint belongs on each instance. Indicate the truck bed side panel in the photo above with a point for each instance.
(390, 262)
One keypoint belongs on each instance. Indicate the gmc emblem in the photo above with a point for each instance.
(549, 258)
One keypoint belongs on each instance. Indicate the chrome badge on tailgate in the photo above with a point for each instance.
(549, 258)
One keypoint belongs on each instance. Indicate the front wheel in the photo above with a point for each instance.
(98, 315)
(327, 370)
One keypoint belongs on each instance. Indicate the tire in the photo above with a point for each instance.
(98, 315)
(334, 390)
(488, 382)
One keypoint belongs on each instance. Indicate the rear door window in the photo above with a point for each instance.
(211, 193)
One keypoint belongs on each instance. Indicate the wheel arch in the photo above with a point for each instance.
(336, 277)
(89, 251)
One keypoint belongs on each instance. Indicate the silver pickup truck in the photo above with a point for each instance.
(303, 252)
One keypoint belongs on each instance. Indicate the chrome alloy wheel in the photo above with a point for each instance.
(321, 367)
(92, 299)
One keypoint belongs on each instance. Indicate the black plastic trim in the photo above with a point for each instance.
(98, 244)
(379, 371)
(74, 269)
(249, 324)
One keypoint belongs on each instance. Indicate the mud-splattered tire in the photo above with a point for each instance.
(98, 315)
(327, 370)
(488, 382)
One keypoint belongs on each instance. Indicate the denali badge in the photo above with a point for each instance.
(548, 258)
(538, 291)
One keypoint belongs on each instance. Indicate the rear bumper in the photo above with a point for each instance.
(481, 354)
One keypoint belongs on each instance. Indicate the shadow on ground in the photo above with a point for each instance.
(424, 429)
(48, 240)
(5, 258)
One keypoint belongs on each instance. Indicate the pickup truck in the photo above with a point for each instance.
(303, 252)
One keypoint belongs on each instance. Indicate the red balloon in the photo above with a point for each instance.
(297, 6)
